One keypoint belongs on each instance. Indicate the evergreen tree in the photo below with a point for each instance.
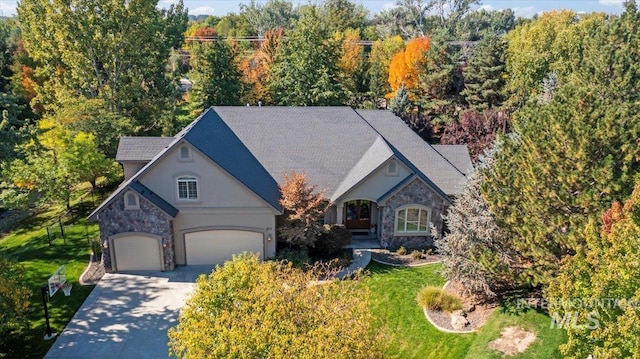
(571, 158)
(477, 252)
(437, 93)
(216, 79)
(575, 155)
(400, 104)
(305, 71)
(484, 75)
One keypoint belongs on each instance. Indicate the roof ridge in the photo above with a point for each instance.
(446, 159)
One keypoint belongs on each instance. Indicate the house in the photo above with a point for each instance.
(212, 190)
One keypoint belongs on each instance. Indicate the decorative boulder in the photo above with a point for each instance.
(458, 320)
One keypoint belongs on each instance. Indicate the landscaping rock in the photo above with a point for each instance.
(458, 321)
(468, 308)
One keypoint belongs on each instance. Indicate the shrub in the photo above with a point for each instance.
(416, 254)
(96, 247)
(401, 251)
(298, 257)
(332, 240)
(434, 298)
(253, 309)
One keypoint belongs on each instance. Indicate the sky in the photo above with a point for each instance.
(520, 7)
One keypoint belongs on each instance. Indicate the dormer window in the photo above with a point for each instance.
(187, 188)
(184, 153)
(392, 168)
(131, 201)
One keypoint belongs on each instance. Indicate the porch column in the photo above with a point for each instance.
(339, 213)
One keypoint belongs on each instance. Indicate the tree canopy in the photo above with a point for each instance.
(253, 309)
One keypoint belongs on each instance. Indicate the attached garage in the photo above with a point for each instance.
(136, 252)
(218, 246)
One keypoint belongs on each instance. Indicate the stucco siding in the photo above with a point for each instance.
(377, 183)
(216, 188)
(130, 168)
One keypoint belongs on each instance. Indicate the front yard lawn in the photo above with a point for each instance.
(28, 244)
(393, 301)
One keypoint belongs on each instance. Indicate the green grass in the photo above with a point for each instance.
(545, 346)
(28, 244)
(410, 335)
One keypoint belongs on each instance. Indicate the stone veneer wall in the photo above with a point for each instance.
(415, 192)
(114, 219)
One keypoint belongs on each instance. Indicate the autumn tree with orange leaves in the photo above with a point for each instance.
(255, 68)
(406, 65)
(304, 207)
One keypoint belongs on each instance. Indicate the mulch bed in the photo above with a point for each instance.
(386, 256)
(94, 272)
(476, 314)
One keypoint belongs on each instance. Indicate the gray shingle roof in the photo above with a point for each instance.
(141, 148)
(154, 198)
(213, 137)
(325, 143)
(432, 163)
(336, 147)
(457, 155)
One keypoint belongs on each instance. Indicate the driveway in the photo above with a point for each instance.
(127, 316)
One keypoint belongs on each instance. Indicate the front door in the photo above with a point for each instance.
(357, 214)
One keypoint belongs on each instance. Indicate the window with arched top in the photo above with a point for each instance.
(131, 200)
(187, 188)
(413, 219)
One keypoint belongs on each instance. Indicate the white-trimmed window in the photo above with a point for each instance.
(413, 219)
(184, 153)
(131, 201)
(187, 188)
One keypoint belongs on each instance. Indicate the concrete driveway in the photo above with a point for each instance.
(127, 316)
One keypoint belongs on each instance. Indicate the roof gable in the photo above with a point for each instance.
(433, 164)
(211, 136)
(154, 198)
(373, 158)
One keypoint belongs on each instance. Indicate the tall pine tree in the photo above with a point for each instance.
(305, 71)
(484, 75)
(215, 76)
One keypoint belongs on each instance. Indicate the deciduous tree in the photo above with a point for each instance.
(406, 65)
(382, 52)
(304, 207)
(112, 50)
(603, 277)
(14, 296)
(253, 309)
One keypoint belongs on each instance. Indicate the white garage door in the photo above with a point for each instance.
(137, 253)
(217, 247)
